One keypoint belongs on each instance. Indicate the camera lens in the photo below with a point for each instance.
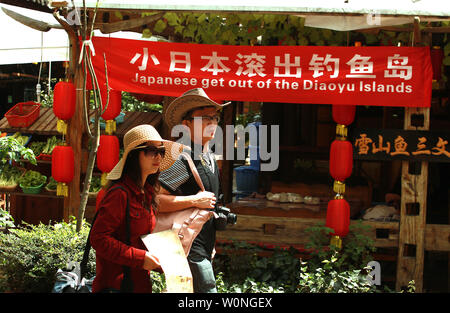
(231, 218)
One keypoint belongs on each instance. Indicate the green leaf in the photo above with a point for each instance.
(160, 26)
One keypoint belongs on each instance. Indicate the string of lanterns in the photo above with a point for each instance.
(64, 97)
(341, 166)
(109, 147)
(64, 104)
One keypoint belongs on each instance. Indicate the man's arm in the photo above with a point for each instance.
(169, 203)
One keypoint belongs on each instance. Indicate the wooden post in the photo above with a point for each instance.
(410, 261)
(75, 129)
(411, 248)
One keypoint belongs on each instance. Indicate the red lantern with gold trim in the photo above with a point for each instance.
(64, 97)
(343, 114)
(338, 219)
(113, 108)
(62, 168)
(341, 159)
(107, 154)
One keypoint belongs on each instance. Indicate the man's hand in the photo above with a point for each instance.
(204, 200)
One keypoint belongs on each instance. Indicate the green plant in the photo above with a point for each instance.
(9, 175)
(13, 150)
(31, 255)
(95, 184)
(32, 179)
(242, 267)
(158, 282)
(249, 285)
(52, 183)
(6, 220)
(328, 278)
(356, 247)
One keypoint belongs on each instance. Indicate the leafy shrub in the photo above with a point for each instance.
(356, 251)
(31, 255)
(329, 279)
(6, 220)
(241, 268)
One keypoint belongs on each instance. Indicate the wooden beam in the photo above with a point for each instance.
(108, 28)
(291, 231)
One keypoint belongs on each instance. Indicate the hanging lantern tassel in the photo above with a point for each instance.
(339, 187)
(61, 127)
(103, 179)
(336, 241)
(110, 127)
(341, 131)
(62, 189)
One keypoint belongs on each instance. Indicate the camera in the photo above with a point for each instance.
(224, 217)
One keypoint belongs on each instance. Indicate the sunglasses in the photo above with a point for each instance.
(152, 151)
(209, 118)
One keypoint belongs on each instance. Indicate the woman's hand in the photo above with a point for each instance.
(150, 262)
(204, 200)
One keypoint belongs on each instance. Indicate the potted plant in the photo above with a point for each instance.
(32, 182)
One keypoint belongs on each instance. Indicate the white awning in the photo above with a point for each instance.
(22, 44)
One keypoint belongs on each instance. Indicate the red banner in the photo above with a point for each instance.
(382, 76)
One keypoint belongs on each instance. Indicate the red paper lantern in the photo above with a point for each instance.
(341, 159)
(343, 114)
(64, 97)
(114, 104)
(437, 56)
(338, 217)
(108, 153)
(62, 168)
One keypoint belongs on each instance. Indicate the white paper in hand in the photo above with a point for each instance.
(166, 246)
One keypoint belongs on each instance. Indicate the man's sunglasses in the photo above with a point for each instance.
(209, 118)
(152, 151)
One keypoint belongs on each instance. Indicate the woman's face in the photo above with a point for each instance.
(150, 158)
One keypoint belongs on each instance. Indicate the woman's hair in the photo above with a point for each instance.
(132, 169)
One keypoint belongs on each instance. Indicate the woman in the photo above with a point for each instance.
(136, 175)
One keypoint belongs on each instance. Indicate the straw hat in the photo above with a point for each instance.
(191, 99)
(142, 134)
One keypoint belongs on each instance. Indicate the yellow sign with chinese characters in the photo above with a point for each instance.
(389, 144)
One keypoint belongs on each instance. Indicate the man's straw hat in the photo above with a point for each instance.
(142, 134)
(191, 99)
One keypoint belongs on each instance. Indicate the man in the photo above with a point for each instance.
(179, 190)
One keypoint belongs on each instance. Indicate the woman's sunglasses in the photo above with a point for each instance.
(152, 151)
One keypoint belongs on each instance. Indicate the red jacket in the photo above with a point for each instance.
(108, 236)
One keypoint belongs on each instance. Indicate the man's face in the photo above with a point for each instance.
(205, 121)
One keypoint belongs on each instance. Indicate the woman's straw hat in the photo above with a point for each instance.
(191, 99)
(142, 134)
